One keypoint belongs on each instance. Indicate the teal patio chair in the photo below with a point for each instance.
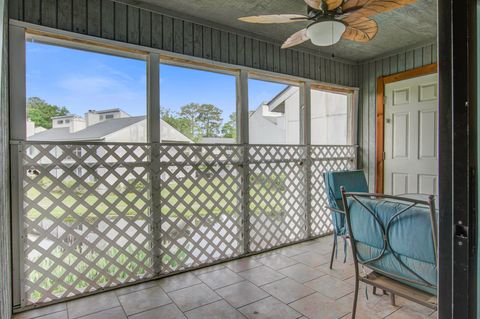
(353, 181)
(394, 240)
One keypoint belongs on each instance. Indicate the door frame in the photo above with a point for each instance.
(380, 115)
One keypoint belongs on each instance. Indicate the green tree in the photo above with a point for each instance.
(190, 112)
(209, 120)
(229, 129)
(182, 124)
(205, 120)
(41, 112)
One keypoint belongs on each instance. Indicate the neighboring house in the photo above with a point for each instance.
(32, 129)
(108, 126)
(112, 125)
(278, 121)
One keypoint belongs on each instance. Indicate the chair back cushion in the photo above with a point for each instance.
(353, 181)
(408, 253)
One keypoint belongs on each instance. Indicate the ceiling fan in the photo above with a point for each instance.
(332, 20)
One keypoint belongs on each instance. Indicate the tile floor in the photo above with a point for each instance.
(292, 282)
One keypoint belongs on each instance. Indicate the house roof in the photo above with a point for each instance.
(66, 116)
(106, 111)
(53, 134)
(100, 130)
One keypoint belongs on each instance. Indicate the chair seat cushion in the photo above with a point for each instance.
(408, 253)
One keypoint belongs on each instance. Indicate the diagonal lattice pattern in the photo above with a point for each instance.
(99, 215)
(324, 159)
(201, 204)
(277, 195)
(86, 218)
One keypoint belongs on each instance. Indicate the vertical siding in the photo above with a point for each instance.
(368, 72)
(117, 21)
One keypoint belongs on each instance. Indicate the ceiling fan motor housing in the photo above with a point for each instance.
(317, 15)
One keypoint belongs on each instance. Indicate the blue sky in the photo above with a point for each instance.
(82, 80)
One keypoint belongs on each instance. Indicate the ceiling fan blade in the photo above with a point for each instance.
(295, 39)
(354, 4)
(360, 29)
(368, 8)
(274, 18)
(317, 4)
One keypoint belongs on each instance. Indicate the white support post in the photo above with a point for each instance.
(243, 138)
(154, 138)
(18, 109)
(18, 132)
(305, 133)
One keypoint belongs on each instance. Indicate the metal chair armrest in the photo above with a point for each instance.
(336, 210)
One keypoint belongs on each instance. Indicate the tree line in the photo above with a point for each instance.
(194, 120)
(200, 120)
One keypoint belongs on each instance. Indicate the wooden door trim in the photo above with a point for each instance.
(380, 115)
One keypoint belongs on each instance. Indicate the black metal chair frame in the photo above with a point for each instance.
(416, 295)
(335, 239)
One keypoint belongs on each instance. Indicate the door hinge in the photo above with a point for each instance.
(384, 155)
(384, 100)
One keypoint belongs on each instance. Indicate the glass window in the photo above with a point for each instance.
(330, 118)
(79, 85)
(274, 116)
(197, 106)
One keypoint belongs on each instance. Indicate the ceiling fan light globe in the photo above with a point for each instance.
(325, 33)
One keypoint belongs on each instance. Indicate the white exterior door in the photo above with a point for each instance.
(411, 130)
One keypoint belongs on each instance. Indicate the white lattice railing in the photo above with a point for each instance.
(102, 215)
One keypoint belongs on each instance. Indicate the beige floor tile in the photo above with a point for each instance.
(243, 264)
(407, 313)
(205, 270)
(41, 311)
(217, 310)
(179, 281)
(325, 246)
(261, 275)
(340, 270)
(134, 288)
(330, 286)
(192, 297)
(143, 300)
(169, 311)
(56, 315)
(415, 307)
(269, 308)
(318, 306)
(220, 278)
(376, 307)
(92, 304)
(293, 250)
(287, 290)
(242, 293)
(114, 313)
(312, 259)
(277, 261)
(301, 273)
